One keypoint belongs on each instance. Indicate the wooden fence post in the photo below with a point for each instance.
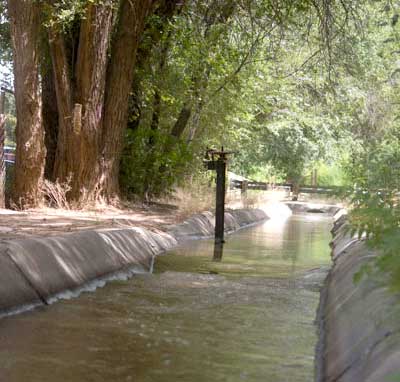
(314, 180)
(243, 190)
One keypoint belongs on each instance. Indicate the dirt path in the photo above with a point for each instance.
(47, 222)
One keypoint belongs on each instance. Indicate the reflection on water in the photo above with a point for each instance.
(277, 248)
(248, 317)
(218, 252)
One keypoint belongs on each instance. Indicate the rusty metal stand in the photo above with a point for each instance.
(217, 160)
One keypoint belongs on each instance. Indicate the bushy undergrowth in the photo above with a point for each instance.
(376, 207)
(153, 163)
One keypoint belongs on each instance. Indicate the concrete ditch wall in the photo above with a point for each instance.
(34, 270)
(307, 207)
(202, 225)
(359, 323)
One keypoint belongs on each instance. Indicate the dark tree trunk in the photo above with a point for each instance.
(91, 69)
(156, 110)
(121, 72)
(93, 103)
(50, 120)
(182, 121)
(134, 106)
(25, 22)
(165, 10)
(79, 141)
(63, 166)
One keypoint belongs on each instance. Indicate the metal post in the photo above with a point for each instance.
(217, 161)
(220, 199)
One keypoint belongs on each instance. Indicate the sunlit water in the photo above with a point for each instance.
(249, 317)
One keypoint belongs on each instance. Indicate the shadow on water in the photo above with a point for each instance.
(245, 316)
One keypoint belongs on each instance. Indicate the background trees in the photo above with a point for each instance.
(134, 91)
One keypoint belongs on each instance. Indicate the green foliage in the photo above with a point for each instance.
(248, 83)
(5, 38)
(373, 162)
(11, 120)
(63, 13)
(153, 163)
(329, 174)
(376, 208)
(5, 47)
(394, 378)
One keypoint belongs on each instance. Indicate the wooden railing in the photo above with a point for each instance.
(245, 185)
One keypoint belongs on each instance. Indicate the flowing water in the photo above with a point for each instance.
(247, 317)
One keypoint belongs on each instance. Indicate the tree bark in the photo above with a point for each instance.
(195, 120)
(89, 150)
(182, 121)
(79, 143)
(50, 120)
(91, 69)
(131, 25)
(25, 22)
(63, 166)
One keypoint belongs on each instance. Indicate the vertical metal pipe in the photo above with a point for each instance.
(220, 200)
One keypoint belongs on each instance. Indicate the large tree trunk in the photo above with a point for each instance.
(93, 103)
(63, 166)
(81, 101)
(182, 121)
(131, 24)
(50, 120)
(25, 24)
(91, 69)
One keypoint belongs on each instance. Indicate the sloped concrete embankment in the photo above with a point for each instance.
(307, 207)
(359, 323)
(35, 270)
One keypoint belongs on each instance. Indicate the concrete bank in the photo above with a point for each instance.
(35, 270)
(359, 323)
(316, 208)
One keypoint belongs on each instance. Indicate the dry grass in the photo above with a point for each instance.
(55, 194)
(191, 200)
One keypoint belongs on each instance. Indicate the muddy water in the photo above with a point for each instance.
(248, 317)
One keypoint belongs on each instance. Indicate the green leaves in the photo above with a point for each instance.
(153, 163)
